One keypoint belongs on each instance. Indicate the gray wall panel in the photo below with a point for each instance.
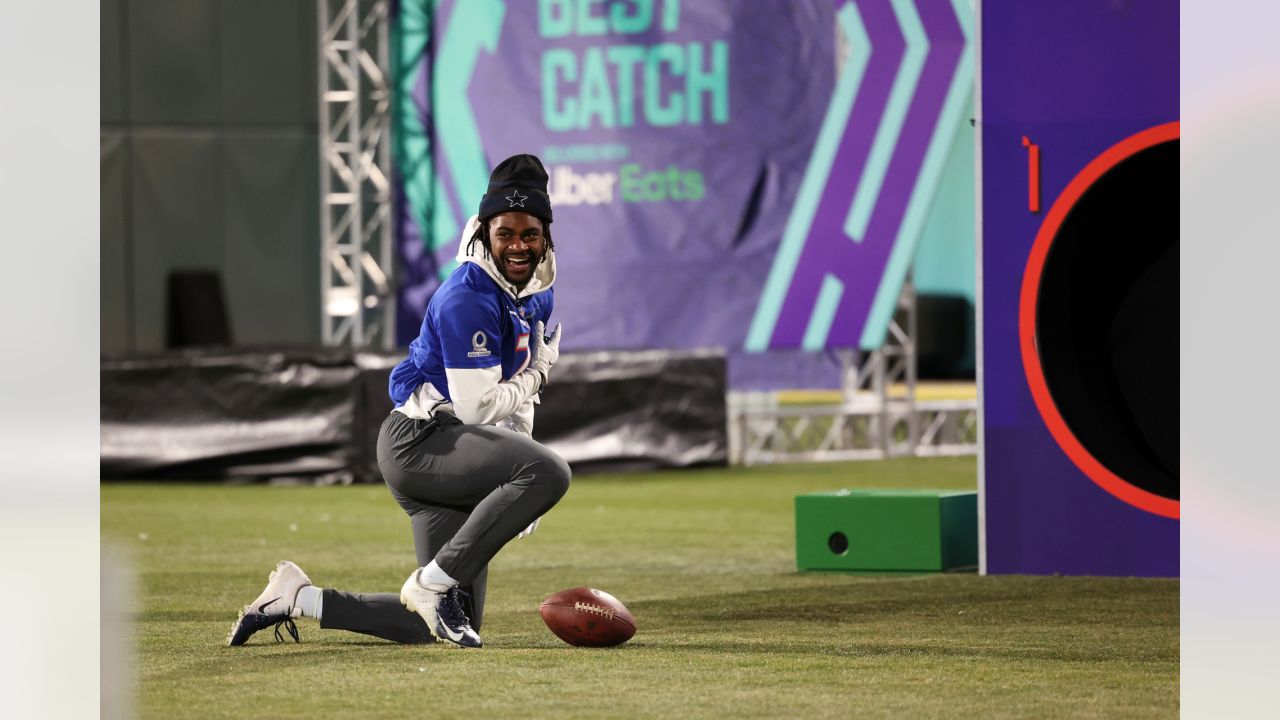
(267, 61)
(177, 219)
(172, 63)
(209, 161)
(114, 331)
(110, 64)
(272, 263)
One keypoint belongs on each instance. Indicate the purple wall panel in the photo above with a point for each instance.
(1076, 78)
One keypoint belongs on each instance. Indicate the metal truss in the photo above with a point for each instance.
(950, 428)
(357, 298)
(879, 415)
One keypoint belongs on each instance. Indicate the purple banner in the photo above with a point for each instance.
(724, 173)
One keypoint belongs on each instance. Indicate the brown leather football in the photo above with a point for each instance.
(587, 617)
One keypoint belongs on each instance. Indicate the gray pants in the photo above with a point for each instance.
(468, 490)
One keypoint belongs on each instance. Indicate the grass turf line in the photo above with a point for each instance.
(704, 559)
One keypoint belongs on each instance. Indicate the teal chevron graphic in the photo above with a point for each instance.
(815, 178)
(824, 312)
(950, 121)
(473, 26)
(410, 146)
(871, 177)
(890, 129)
(886, 140)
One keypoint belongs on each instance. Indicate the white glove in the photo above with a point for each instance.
(529, 530)
(546, 350)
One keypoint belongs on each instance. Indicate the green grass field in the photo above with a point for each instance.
(704, 559)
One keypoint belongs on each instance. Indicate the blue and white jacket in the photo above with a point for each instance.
(472, 354)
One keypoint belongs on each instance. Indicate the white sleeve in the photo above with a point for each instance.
(521, 420)
(480, 397)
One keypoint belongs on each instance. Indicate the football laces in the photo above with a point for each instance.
(594, 609)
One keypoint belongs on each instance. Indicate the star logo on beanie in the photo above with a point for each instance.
(516, 199)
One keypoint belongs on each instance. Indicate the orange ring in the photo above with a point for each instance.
(1066, 440)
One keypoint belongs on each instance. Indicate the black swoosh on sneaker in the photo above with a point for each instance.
(263, 607)
(251, 622)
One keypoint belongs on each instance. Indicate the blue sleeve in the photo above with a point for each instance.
(407, 375)
(418, 347)
(470, 331)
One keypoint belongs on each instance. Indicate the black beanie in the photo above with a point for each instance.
(518, 184)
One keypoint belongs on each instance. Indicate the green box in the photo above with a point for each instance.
(887, 530)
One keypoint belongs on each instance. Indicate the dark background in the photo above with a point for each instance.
(209, 161)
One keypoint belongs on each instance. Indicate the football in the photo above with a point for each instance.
(587, 617)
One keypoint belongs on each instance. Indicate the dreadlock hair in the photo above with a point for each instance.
(481, 236)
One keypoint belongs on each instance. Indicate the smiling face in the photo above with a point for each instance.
(517, 243)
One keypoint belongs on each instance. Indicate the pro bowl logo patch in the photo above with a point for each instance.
(479, 343)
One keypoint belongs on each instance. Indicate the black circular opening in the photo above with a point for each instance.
(838, 543)
(1107, 320)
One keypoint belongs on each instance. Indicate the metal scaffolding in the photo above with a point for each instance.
(356, 281)
(878, 416)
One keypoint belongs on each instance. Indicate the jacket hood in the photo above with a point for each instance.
(544, 275)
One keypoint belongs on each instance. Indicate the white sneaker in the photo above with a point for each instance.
(276, 605)
(439, 607)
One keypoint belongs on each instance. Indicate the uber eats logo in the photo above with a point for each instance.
(627, 85)
(632, 183)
